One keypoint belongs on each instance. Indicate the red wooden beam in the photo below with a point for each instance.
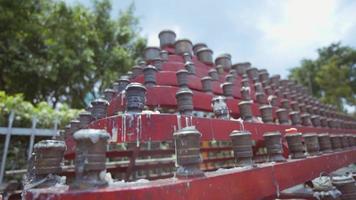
(243, 184)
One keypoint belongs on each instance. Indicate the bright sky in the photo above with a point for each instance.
(271, 34)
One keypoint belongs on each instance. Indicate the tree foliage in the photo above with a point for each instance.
(332, 76)
(25, 111)
(51, 51)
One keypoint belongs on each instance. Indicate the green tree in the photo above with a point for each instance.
(332, 76)
(50, 51)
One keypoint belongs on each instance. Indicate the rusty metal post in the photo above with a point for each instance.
(187, 144)
(121, 84)
(242, 147)
(190, 67)
(266, 114)
(205, 55)
(151, 53)
(207, 82)
(295, 118)
(282, 115)
(182, 78)
(45, 164)
(325, 143)
(311, 144)
(245, 110)
(136, 97)
(167, 38)
(336, 142)
(184, 98)
(224, 60)
(228, 89)
(198, 46)
(295, 145)
(150, 75)
(183, 46)
(90, 158)
(220, 109)
(99, 108)
(85, 119)
(273, 143)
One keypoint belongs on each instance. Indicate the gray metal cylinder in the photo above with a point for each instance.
(282, 115)
(324, 143)
(285, 104)
(99, 108)
(187, 57)
(224, 60)
(121, 84)
(167, 38)
(252, 73)
(198, 46)
(311, 144)
(245, 110)
(245, 93)
(230, 78)
(273, 143)
(219, 106)
(205, 55)
(346, 185)
(295, 118)
(150, 53)
(295, 145)
(149, 73)
(261, 97)
(85, 119)
(109, 94)
(344, 142)
(323, 122)
(241, 67)
(184, 98)
(228, 89)
(207, 82)
(263, 75)
(213, 74)
(187, 144)
(273, 100)
(315, 120)
(294, 105)
(90, 158)
(242, 147)
(135, 97)
(164, 55)
(335, 142)
(190, 67)
(183, 46)
(245, 82)
(266, 114)
(220, 69)
(258, 87)
(182, 78)
(46, 163)
(136, 71)
(306, 119)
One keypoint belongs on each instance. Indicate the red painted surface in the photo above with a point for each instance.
(245, 184)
